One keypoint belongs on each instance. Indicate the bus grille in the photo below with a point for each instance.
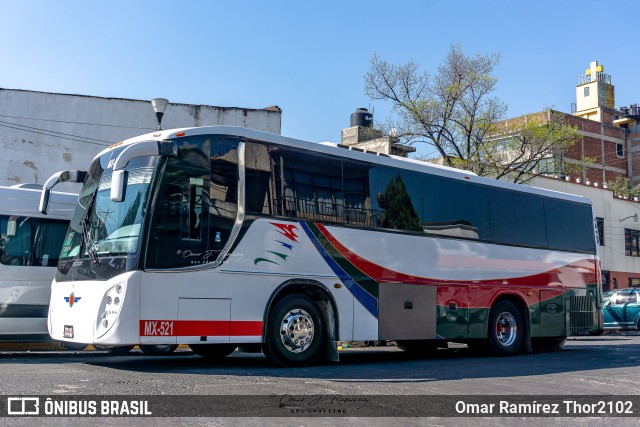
(582, 314)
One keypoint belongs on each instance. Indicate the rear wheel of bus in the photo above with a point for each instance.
(506, 329)
(295, 332)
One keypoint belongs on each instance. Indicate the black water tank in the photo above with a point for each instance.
(361, 117)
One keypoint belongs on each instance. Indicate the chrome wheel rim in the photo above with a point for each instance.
(506, 329)
(297, 330)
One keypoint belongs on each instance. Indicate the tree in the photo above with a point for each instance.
(454, 112)
(622, 187)
(399, 212)
(516, 147)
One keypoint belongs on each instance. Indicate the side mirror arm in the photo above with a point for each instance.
(55, 179)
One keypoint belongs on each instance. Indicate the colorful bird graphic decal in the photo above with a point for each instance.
(288, 231)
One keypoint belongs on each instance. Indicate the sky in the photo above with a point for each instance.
(308, 57)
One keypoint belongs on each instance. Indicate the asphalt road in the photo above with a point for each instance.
(587, 366)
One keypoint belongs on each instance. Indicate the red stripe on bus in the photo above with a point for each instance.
(202, 328)
(577, 274)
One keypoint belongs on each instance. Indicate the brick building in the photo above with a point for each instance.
(606, 135)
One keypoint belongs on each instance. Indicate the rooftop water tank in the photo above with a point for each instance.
(361, 117)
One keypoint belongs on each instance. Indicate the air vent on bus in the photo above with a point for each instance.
(581, 314)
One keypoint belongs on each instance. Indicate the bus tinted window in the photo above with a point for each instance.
(358, 208)
(308, 186)
(397, 198)
(517, 218)
(455, 208)
(31, 241)
(569, 225)
(223, 197)
(181, 216)
(259, 197)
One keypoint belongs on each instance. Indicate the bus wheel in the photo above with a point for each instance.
(421, 348)
(295, 332)
(120, 350)
(213, 351)
(158, 350)
(506, 330)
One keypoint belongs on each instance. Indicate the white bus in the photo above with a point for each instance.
(217, 237)
(30, 244)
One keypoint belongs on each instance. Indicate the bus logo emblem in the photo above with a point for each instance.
(72, 299)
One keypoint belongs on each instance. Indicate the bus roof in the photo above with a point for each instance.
(343, 151)
(24, 202)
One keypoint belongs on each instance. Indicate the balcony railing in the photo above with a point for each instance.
(588, 78)
(316, 210)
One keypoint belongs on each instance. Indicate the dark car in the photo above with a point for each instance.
(622, 309)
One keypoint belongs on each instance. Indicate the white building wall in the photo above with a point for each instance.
(41, 133)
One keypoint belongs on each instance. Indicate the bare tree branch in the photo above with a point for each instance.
(454, 112)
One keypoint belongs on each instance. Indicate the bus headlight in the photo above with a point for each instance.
(109, 309)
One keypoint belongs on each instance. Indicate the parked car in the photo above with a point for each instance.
(622, 309)
(607, 295)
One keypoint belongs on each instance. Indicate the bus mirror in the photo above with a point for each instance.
(44, 201)
(55, 179)
(118, 182)
(12, 227)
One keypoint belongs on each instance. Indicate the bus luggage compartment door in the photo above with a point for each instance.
(407, 312)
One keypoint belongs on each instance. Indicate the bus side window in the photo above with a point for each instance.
(49, 236)
(223, 195)
(16, 244)
(177, 228)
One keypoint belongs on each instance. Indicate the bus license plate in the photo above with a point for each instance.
(68, 331)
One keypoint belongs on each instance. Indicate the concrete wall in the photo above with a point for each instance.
(41, 133)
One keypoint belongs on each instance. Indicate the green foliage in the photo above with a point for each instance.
(622, 188)
(399, 213)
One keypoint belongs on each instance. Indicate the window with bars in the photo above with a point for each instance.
(600, 225)
(631, 242)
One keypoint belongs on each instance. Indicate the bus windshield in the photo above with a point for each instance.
(101, 227)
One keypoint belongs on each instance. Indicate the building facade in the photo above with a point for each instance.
(41, 133)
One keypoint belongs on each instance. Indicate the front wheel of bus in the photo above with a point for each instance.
(295, 332)
(506, 330)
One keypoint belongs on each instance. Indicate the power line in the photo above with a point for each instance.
(74, 123)
(53, 134)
